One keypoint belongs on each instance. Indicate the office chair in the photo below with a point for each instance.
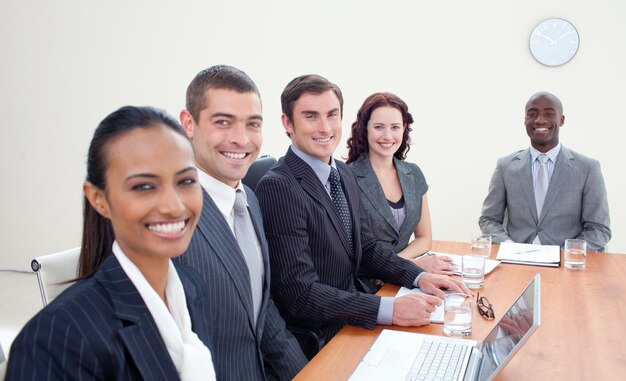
(54, 273)
(260, 166)
(313, 339)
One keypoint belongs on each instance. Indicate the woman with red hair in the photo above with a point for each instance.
(393, 191)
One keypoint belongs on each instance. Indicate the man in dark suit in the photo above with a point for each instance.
(318, 235)
(223, 120)
(573, 203)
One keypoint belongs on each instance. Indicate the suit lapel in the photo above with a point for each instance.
(194, 296)
(372, 190)
(562, 169)
(305, 175)
(217, 234)
(409, 190)
(140, 332)
(522, 169)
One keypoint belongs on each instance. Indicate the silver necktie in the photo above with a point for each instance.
(248, 243)
(542, 180)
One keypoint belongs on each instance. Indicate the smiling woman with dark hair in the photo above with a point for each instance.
(393, 191)
(133, 315)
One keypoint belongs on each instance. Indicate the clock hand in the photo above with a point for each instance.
(558, 39)
(549, 39)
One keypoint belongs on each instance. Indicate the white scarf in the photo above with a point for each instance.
(190, 356)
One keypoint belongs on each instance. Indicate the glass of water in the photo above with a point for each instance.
(575, 254)
(481, 244)
(473, 270)
(457, 320)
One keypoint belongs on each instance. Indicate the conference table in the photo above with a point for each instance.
(582, 335)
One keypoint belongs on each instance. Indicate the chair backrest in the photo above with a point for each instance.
(54, 271)
(257, 170)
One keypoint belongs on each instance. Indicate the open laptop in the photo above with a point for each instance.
(397, 355)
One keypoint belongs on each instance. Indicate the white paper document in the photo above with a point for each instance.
(490, 264)
(529, 254)
(436, 316)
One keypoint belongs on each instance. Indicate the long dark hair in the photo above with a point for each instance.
(97, 230)
(357, 143)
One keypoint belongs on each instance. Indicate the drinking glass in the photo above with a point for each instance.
(457, 319)
(473, 270)
(575, 254)
(481, 244)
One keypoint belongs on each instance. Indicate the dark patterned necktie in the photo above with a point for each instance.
(341, 204)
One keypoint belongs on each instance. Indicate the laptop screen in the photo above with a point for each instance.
(511, 332)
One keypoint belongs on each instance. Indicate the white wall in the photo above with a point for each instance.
(462, 66)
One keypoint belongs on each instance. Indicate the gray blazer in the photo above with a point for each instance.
(377, 209)
(576, 204)
(241, 350)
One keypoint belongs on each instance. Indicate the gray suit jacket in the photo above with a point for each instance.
(576, 204)
(241, 349)
(377, 208)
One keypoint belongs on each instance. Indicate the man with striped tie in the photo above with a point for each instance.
(318, 235)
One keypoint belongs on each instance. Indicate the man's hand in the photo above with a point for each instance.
(434, 284)
(435, 264)
(414, 310)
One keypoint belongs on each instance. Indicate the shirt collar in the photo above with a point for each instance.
(222, 194)
(321, 169)
(552, 154)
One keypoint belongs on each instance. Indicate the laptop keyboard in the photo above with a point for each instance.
(437, 361)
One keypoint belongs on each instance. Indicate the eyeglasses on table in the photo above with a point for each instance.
(484, 307)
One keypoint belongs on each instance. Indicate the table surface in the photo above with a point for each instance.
(581, 336)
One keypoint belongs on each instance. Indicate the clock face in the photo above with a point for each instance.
(554, 42)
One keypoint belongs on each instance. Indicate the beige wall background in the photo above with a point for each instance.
(463, 67)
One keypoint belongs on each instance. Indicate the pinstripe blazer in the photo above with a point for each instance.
(240, 347)
(315, 272)
(376, 206)
(576, 204)
(101, 329)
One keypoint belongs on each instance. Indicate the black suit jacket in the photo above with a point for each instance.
(101, 329)
(243, 350)
(314, 272)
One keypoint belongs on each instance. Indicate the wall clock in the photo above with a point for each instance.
(554, 42)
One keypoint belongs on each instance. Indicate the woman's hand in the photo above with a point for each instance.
(435, 264)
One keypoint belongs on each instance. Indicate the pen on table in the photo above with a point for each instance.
(526, 251)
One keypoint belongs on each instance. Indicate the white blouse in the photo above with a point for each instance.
(190, 356)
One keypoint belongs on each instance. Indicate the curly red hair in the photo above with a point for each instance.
(357, 143)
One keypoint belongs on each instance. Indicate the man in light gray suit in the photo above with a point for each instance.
(250, 341)
(571, 204)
